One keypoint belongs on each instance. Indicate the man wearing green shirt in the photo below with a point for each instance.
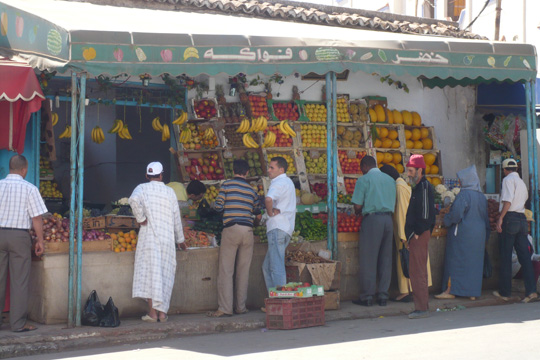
(375, 198)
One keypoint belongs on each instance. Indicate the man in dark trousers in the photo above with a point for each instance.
(418, 226)
(512, 229)
(375, 197)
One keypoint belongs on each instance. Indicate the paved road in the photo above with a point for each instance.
(500, 332)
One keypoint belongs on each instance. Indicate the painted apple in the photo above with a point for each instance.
(19, 26)
(118, 54)
(166, 55)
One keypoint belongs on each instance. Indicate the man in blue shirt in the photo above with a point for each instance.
(375, 198)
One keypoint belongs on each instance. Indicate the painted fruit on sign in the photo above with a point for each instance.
(191, 52)
(19, 26)
(4, 24)
(54, 42)
(327, 54)
(303, 55)
(89, 53)
(140, 54)
(32, 34)
(166, 55)
(118, 54)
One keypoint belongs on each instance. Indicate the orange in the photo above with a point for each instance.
(395, 144)
(409, 144)
(400, 168)
(398, 119)
(427, 169)
(393, 134)
(114, 237)
(407, 117)
(380, 157)
(373, 115)
(416, 119)
(390, 116)
(424, 133)
(377, 143)
(430, 159)
(429, 180)
(383, 132)
(116, 249)
(397, 158)
(418, 144)
(408, 134)
(434, 170)
(120, 234)
(133, 235)
(388, 158)
(428, 144)
(436, 181)
(387, 143)
(415, 135)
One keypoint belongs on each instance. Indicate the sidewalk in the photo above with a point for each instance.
(55, 338)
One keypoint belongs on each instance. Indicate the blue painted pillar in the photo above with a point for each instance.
(73, 188)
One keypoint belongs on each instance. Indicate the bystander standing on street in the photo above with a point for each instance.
(513, 228)
(280, 203)
(238, 202)
(21, 207)
(418, 226)
(375, 198)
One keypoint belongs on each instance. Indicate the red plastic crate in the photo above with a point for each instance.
(286, 314)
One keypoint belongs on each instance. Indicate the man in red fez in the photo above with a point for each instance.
(418, 226)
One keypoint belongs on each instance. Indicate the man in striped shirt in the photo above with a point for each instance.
(21, 206)
(238, 202)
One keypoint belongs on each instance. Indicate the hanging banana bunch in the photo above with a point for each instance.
(97, 135)
(66, 133)
(123, 132)
(54, 118)
(166, 133)
(117, 127)
(156, 125)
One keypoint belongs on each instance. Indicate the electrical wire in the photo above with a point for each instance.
(480, 13)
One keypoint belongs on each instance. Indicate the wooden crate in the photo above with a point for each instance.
(377, 100)
(402, 162)
(347, 236)
(210, 100)
(362, 116)
(185, 158)
(88, 246)
(431, 135)
(110, 221)
(438, 160)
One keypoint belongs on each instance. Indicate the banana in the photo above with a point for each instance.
(124, 133)
(249, 142)
(117, 127)
(156, 125)
(166, 135)
(288, 128)
(181, 119)
(280, 127)
(54, 118)
(100, 135)
(264, 124)
(244, 126)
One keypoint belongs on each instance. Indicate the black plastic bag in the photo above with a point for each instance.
(488, 271)
(110, 316)
(404, 255)
(92, 311)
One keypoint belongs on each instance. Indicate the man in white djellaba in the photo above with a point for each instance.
(155, 208)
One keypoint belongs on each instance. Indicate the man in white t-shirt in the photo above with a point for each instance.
(280, 203)
(512, 229)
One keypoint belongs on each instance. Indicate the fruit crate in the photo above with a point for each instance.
(232, 113)
(342, 110)
(349, 161)
(87, 246)
(290, 156)
(435, 169)
(388, 136)
(110, 221)
(234, 139)
(352, 137)
(205, 109)
(310, 106)
(282, 140)
(257, 106)
(197, 143)
(254, 157)
(196, 165)
(427, 137)
(312, 162)
(373, 101)
(283, 110)
(358, 111)
(301, 291)
(296, 313)
(383, 157)
(312, 135)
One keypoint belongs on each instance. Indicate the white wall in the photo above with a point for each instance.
(449, 110)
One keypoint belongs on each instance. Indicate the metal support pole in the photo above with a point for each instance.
(530, 151)
(73, 187)
(535, 198)
(36, 117)
(334, 165)
(80, 188)
(329, 159)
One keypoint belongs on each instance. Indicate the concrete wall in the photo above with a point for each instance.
(195, 287)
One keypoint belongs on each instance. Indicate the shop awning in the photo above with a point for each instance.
(111, 40)
(20, 96)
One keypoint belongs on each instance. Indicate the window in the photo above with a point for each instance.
(455, 7)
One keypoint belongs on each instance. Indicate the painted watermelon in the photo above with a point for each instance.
(54, 42)
(327, 54)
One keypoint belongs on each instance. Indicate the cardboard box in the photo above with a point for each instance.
(331, 300)
(327, 274)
